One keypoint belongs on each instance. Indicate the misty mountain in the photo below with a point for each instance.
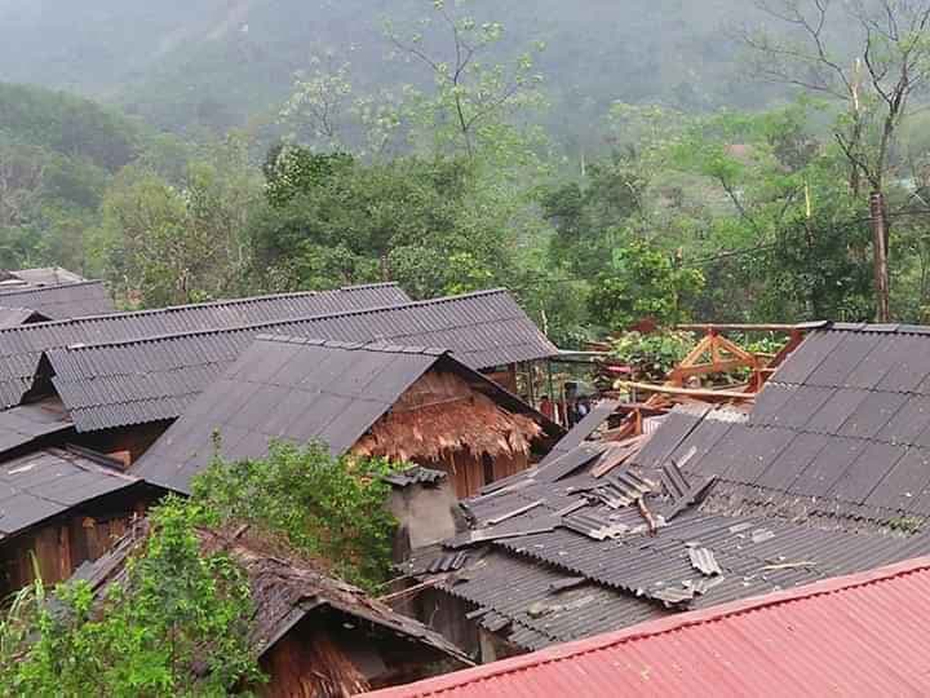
(218, 63)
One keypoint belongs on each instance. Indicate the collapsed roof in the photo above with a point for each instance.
(338, 393)
(21, 347)
(285, 590)
(857, 635)
(714, 505)
(157, 377)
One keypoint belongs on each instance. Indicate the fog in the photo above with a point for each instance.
(222, 62)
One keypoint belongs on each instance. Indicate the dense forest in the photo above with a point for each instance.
(607, 162)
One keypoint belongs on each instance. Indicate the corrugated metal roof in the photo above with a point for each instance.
(844, 422)
(22, 425)
(14, 317)
(61, 301)
(861, 635)
(44, 484)
(158, 378)
(292, 389)
(298, 390)
(563, 519)
(40, 276)
(21, 347)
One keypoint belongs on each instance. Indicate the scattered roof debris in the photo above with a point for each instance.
(841, 625)
(695, 539)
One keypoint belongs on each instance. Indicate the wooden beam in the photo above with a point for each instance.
(736, 327)
(688, 392)
(706, 369)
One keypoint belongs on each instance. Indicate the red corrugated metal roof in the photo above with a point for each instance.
(861, 635)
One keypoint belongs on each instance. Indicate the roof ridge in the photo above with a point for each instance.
(36, 288)
(378, 345)
(274, 323)
(209, 304)
(663, 626)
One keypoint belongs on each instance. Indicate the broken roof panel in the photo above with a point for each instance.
(832, 637)
(583, 429)
(60, 302)
(148, 380)
(21, 347)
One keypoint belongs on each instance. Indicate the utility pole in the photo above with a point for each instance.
(880, 250)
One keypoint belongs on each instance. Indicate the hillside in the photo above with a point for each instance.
(216, 63)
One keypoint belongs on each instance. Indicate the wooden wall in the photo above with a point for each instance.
(332, 655)
(63, 543)
(468, 473)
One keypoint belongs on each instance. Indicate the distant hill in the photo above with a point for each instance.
(216, 63)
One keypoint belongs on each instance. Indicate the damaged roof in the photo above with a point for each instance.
(157, 378)
(46, 483)
(856, 635)
(22, 347)
(645, 534)
(285, 590)
(60, 302)
(842, 430)
(298, 390)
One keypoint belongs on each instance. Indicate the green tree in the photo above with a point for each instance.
(644, 282)
(330, 509)
(176, 625)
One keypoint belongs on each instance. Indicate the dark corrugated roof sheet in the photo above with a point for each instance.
(14, 317)
(297, 390)
(158, 378)
(583, 430)
(845, 421)
(571, 523)
(44, 484)
(417, 475)
(62, 301)
(861, 635)
(40, 276)
(21, 347)
(22, 425)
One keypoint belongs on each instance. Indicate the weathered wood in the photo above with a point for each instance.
(689, 392)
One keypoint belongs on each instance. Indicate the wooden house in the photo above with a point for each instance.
(315, 636)
(401, 403)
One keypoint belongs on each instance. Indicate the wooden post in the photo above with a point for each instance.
(880, 252)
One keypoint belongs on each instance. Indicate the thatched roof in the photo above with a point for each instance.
(285, 590)
(442, 413)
